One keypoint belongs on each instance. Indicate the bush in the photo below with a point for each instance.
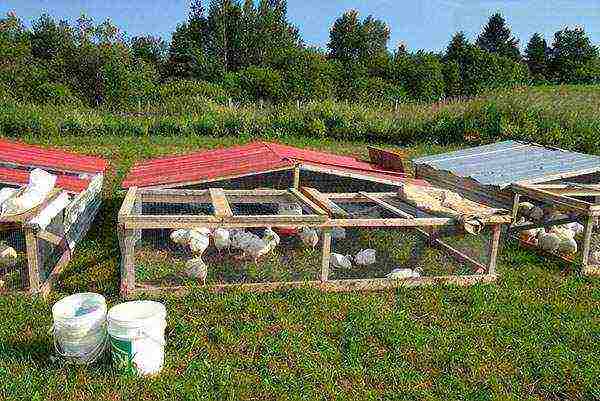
(54, 94)
(421, 74)
(181, 89)
(258, 83)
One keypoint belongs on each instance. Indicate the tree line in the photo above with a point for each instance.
(249, 51)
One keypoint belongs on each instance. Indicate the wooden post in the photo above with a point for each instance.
(137, 209)
(515, 211)
(33, 259)
(587, 241)
(494, 245)
(127, 244)
(326, 255)
(296, 181)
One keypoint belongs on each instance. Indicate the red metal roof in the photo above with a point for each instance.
(252, 158)
(21, 177)
(17, 159)
(26, 155)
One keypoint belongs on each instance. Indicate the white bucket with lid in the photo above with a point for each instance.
(136, 331)
(79, 327)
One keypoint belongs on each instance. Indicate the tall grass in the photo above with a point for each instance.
(565, 116)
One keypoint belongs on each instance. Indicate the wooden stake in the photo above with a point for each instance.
(494, 245)
(126, 242)
(33, 259)
(326, 255)
(587, 241)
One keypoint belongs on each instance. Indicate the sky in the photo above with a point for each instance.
(420, 24)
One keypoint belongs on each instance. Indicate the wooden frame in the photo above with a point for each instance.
(563, 196)
(324, 213)
(68, 226)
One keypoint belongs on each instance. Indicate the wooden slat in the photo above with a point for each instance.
(493, 251)
(128, 203)
(46, 287)
(377, 284)
(542, 195)
(33, 259)
(308, 202)
(220, 203)
(326, 255)
(318, 198)
(455, 253)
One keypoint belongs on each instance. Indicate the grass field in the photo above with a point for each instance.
(535, 335)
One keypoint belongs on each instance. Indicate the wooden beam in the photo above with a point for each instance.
(493, 251)
(393, 222)
(46, 287)
(128, 203)
(326, 255)
(51, 237)
(376, 284)
(455, 253)
(516, 206)
(545, 196)
(127, 245)
(33, 259)
(296, 178)
(587, 241)
(219, 202)
(303, 199)
(351, 174)
(318, 198)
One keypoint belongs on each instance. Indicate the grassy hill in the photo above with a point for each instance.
(534, 335)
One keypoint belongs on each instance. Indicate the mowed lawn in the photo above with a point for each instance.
(535, 335)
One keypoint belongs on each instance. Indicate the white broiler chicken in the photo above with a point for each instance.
(199, 240)
(180, 237)
(339, 261)
(549, 242)
(8, 255)
(221, 239)
(365, 257)
(567, 246)
(399, 274)
(196, 268)
(309, 236)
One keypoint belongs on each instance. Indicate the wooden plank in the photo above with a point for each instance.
(296, 178)
(308, 202)
(127, 244)
(587, 240)
(387, 159)
(354, 197)
(393, 222)
(128, 203)
(326, 255)
(220, 203)
(33, 259)
(318, 198)
(493, 251)
(51, 237)
(377, 284)
(516, 206)
(342, 173)
(545, 196)
(46, 287)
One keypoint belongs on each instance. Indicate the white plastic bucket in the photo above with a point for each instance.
(79, 327)
(136, 331)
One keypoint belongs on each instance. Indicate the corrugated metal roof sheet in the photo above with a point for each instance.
(503, 163)
(252, 158)
(18, 159)
(21, 154)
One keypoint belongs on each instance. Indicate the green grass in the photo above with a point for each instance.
(535, 335)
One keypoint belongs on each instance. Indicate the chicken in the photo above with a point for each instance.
(271, 237)
(567, 246)
(365, 257)
(309, 236)
(40, 185)
(563, 232)
(196, 268)
(241, 238)
(399, 274)
(199, 240)
(549, 242)
(180, 237)
(339, 261)
(221, 239)
(8, 255)
(6, 193)
(531, 235)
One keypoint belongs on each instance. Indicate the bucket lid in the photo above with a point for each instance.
(79, 306)
(135, 313)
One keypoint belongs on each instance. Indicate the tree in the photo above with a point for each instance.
(537, 56)
(496, 37)
(149, 48)
(457, 48)
(572, 50)
(351, 40)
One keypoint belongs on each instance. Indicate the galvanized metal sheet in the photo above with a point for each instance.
(503, 163)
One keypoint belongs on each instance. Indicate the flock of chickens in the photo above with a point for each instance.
(556, 239)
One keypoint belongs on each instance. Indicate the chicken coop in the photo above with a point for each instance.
(289, 227)
(553, 193)
(38, 240)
